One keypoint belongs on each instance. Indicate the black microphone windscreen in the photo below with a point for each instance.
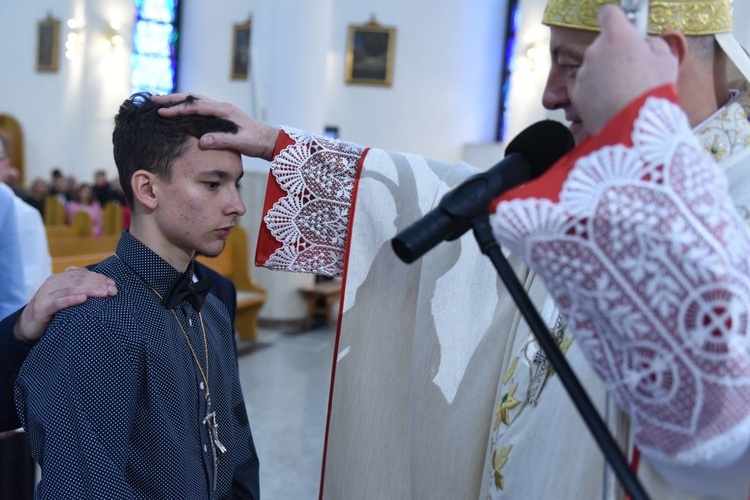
(542, 144)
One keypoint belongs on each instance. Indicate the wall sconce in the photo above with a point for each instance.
(74, 40)
(531, 52)
(112, 38)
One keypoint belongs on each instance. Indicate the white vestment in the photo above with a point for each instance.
(37, 262)
(423, 350)
(419, 346)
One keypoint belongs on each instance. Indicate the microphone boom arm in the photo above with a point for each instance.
(453, 215)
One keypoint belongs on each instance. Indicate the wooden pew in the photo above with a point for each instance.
(60, 231)
(81, 225)
(54, 212)
(77, 245)
(60, 264)
(112, 219)
(232, 263)
(321, 297)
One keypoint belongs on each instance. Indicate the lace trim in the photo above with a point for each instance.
(648, 262)
(312, 220)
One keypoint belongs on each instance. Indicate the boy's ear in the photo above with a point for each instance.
(144, 189)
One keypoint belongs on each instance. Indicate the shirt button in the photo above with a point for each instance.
(201, 386)
(205, 449)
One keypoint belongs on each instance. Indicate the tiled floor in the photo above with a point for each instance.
(285, 380)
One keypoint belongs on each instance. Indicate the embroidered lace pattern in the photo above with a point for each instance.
(648, 262)
(311, 221)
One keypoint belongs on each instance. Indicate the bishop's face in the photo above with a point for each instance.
(567, 47)
(199, 205)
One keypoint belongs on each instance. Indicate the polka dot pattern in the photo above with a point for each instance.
(113, 401)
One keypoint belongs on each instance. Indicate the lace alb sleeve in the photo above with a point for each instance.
(310, 222)
(650, 264)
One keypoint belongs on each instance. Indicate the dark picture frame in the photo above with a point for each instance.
(369, 54)
(241, 34)
(48, 45)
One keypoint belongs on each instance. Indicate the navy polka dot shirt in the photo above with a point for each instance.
(113, 402)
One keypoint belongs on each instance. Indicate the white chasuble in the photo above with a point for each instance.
(419, 346)
(433, 355)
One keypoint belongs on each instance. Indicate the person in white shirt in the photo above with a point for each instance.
(36, 259)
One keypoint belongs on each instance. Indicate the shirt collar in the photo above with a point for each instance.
(153, 270)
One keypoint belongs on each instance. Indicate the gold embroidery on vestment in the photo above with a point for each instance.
(511, 370)
(499, 459)
(507, 403)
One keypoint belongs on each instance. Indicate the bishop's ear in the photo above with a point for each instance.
(144, 189)
(677, 42)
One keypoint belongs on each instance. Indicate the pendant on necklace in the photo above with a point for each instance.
(213, 431)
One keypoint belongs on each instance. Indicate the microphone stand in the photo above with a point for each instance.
(489, 246)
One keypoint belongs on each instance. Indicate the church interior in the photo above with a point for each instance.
(455, 82)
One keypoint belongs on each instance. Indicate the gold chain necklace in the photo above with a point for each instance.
(210, 419)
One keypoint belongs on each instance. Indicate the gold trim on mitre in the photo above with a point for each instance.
(691, 17)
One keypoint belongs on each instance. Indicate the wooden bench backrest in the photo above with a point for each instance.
(59, 231)
(112, 219)
(233, 262)
(60, 264)
(79, 245)
(54, 212)
(81, 225)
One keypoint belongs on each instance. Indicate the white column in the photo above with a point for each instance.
(291, 89)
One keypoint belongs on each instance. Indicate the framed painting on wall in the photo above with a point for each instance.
(241, 50)
(48, 45)
(369, 54)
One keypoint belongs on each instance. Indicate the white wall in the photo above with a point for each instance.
(444, 92)
(446, 76)
(204, 50)
(66, 116)
(741, 16)
(443, 99)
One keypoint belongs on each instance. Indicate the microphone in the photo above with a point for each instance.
(528, 156)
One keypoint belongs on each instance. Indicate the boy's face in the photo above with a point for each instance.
(198, 207)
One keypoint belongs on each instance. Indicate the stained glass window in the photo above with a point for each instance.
(511, 28)
(155, 42)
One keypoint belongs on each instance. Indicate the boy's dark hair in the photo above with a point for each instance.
(144, 140)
